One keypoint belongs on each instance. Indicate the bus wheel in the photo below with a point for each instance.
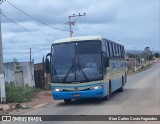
(121, 89)
(107, 97)
(67, 100)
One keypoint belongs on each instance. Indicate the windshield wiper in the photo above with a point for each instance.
(85, 76)
(80, 68)
(70, 69)
(68, 73)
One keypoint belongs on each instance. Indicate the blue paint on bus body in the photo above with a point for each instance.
(96, 93)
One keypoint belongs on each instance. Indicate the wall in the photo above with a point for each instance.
(23, 75)
(9, 72)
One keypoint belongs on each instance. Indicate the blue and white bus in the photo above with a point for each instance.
(86, 67)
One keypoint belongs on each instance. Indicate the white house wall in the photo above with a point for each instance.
(26, 68)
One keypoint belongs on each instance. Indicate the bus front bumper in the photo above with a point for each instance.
(96, 93)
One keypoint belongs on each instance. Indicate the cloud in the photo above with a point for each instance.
(134, 23)
(53, 12)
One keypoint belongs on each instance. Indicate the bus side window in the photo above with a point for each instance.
(112, 49)
(122, 52)
(104, 46)
(107, 49)
(119, 53)
(116, 51)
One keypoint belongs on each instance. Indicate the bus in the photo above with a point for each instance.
(86, 67)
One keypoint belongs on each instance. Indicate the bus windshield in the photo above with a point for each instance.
(76, 62)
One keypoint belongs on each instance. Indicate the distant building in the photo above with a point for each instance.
(20, 73)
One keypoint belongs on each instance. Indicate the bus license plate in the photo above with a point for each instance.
(76, 95)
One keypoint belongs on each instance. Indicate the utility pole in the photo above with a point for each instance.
(30, 55)
(70, 23)
(1, 51)
(140, 60)
(153, 53)
(135, 59)
(2, 82)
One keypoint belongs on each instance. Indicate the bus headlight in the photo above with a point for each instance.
(57, 89)
(96, 87)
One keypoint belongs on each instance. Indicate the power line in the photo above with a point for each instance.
(16, 53)
(35, 18)
(76, 19)
(20, 26)
(14, 22)
(30, 26)
(10, 25)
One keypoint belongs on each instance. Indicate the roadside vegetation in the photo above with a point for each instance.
(143, 68)
(142, 60)
(20, 94)
(140, 69)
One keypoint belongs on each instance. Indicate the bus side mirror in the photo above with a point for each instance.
(47, 63)
(106, 61)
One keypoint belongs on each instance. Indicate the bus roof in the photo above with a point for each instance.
(81, 38)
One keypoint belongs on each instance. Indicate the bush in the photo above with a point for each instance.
(19, 94)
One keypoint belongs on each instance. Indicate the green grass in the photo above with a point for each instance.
(143, 68)
(20, 94)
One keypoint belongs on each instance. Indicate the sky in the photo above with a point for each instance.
(133, 23)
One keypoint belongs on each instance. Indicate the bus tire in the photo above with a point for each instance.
(67, 101)
(107, 97)
(121, 88)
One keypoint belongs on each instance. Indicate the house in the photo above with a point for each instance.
(130, 62)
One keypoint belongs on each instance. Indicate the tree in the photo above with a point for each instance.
(17, 64)
(147, 53)
(157, 55)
